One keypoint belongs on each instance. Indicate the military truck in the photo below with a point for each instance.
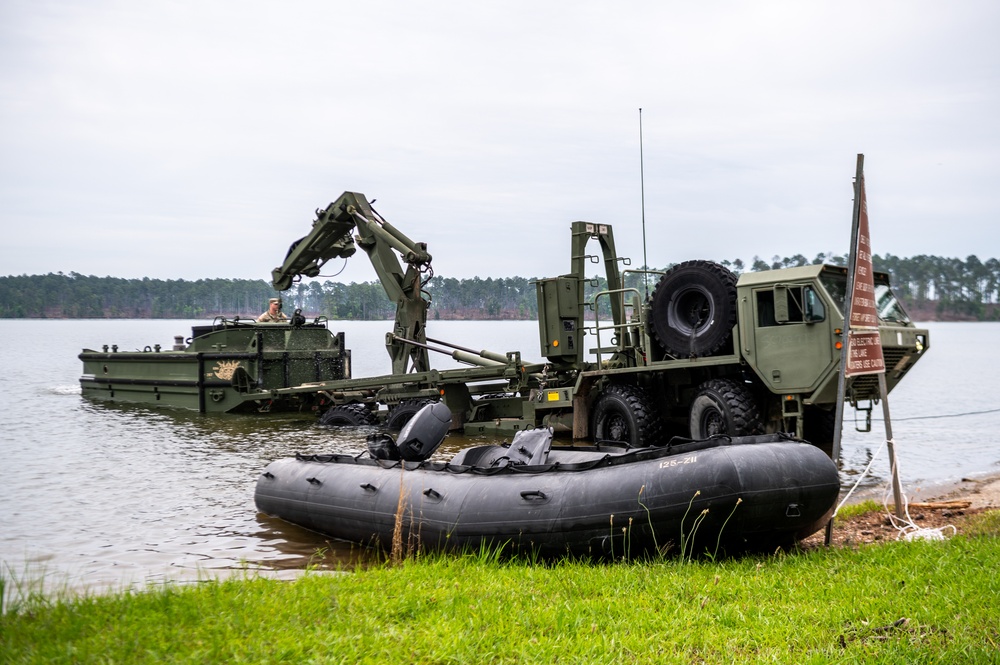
(706, 353)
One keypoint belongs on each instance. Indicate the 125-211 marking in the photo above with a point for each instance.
(667, 463)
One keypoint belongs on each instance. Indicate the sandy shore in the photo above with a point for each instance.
(982, 492)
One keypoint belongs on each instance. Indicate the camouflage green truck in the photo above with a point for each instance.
(706, 353)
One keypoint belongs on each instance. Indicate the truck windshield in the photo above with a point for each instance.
(890, 309)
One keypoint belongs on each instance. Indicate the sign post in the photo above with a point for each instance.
(862, 354)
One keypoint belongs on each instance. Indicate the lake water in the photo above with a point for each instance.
(99, 496)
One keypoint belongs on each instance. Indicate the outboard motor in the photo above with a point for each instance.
(381, 446)
(425, 431)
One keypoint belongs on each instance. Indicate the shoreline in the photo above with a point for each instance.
(982, 490)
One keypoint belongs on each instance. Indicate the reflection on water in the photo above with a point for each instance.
(110, 495)
(295, 548)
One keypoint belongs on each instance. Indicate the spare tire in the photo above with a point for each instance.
(693, 309)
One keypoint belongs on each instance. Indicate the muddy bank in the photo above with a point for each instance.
(932, 513)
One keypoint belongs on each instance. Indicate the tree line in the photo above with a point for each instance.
(931, 287)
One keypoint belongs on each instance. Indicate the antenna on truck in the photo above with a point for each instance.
(642, 198)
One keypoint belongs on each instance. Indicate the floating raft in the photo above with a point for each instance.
(746, 492)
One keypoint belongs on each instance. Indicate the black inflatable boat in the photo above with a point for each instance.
(602, 500)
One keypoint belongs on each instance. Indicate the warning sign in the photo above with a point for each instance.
(863, 309)
(864, 344)
(864, 352)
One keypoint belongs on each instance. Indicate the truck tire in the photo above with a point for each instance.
(693, 309)
(724, 407)
(348, 414)
(819, 427)
(625, 414)
(400, 414)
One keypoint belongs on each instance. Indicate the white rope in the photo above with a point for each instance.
(907, 528)
(860, 478)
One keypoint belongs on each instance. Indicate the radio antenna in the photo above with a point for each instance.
(642, 198)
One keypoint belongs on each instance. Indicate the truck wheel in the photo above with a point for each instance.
(724, 407)
(818, 427)
(348, 414)
(693, 309)
(401, 413)
(625, 414)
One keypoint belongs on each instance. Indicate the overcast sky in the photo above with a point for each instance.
(195, 139)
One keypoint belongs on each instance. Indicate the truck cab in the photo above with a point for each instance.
(791, 330)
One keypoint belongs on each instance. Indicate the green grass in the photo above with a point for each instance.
(861, 508)
(821, 606)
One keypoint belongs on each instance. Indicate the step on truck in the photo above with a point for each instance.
(706, 352)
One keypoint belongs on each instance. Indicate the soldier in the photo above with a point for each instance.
(273, 313)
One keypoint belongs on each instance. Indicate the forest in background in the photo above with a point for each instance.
(931, 287)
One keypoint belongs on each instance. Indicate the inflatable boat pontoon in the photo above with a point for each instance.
(742, 492)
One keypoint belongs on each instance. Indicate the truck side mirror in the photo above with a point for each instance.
(781, 303)
(815, 311)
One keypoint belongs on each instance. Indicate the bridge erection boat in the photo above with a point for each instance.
(228, 366)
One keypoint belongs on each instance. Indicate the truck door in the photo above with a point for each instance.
(790, 341)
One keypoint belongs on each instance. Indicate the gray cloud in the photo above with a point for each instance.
(194, 139)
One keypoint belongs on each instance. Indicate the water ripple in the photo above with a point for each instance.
(98, 494)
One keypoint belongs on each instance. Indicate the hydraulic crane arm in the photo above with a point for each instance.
(331, 238)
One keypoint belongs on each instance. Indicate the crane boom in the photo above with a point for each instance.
(331, 238)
